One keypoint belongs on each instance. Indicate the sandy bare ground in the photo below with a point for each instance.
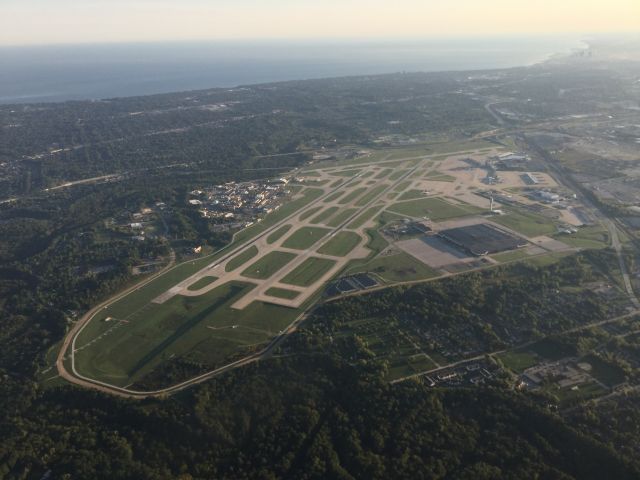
(569, 216)
(468, 180)
(433, 251)
(550, 244)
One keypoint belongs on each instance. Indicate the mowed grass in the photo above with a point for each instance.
(402, 186)
(400, 267)
(204, 329)
(241, 258)
(370, 195)
(399, 173)
(310, 271)
(306, 214)
(278, 234)
(434, 208)
(383, 173)
(341, 217)
(352, 195)
(325, 214)
(586, 237)
(341, 244)
(282, 293)
(203, 282)
(412, 195)
(268, 265)
(518, 360)
(436, 176)
(334, 196)
(346, 173)
(526, 223)
(305, 237)
(141, 296)
(364, 217)
(511, 256)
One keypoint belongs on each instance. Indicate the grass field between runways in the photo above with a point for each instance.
(305, 237)
(205, 328)
(310, 271)
(433, 208)
(341, 244)
(268, 265)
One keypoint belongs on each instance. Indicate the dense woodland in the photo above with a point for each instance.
(309, 416)
(224, 130)
(320, 408)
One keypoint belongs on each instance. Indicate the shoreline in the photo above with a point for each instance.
(126, 76)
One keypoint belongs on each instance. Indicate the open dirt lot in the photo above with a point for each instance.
(433, 251)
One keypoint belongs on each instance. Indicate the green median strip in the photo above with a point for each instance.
(203, 282)
(339, 218)
(305, 237)
(241, 258)
(371, 194)
(352, 195)
(268, 265)
(364, 217)
(310, 271)
(282, 293)
(320, 218)
(277, 235)
(341, 244)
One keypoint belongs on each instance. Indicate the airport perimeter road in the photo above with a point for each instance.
(68, 343)
(79, 325)
(69, 340)
(134, 394)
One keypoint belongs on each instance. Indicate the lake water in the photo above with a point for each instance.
(58, 73)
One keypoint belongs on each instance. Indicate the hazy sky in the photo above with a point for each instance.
(80, 21)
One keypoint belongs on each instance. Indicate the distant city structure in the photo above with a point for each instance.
(236, 205)
(511, 161)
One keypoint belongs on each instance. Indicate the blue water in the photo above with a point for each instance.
(58, 73)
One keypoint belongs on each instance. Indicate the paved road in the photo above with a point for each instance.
(69, 339)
